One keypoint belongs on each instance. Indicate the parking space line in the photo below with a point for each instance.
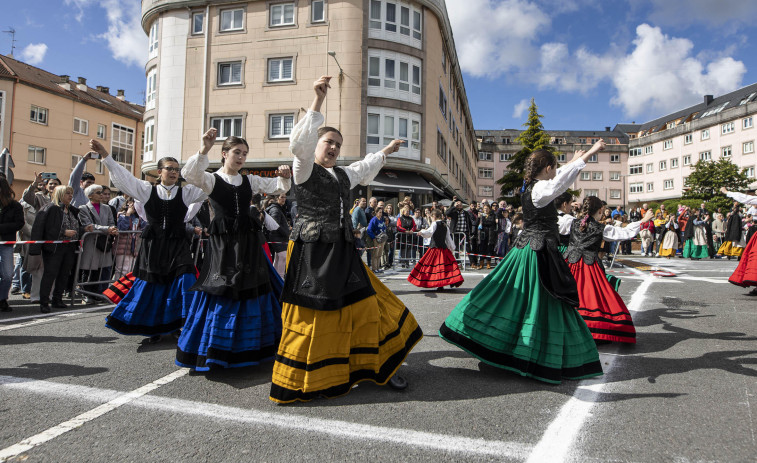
(77, 421)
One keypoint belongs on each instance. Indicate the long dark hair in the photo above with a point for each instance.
(6, 192)
(566, 197)
(589, 207)
(537, 161)
(231, 142)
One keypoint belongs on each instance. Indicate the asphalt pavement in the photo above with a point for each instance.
(73, 390)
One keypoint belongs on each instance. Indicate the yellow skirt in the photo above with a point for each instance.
(667, 252)
(728, 249)
(326, 352)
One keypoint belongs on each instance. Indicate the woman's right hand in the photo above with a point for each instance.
(69, 233)
(321, 86)
(95, 145)
(208, 140)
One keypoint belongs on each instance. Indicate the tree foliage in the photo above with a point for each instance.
(707, 177)
(532, 139)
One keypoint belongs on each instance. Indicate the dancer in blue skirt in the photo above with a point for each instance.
(164, 270)
(522, 317)
(234, 319)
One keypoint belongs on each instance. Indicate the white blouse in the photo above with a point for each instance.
(564, 222)
(428, 233)
(742, 198)
(194, 172)
(611, 233)
(545, 191)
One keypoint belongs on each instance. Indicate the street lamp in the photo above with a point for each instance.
(341, 81)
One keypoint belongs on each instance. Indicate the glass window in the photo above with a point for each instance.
(232, 20)
(81, 126)
(280, 69)
(374, 135)
(38, 115)
(149, 135)
(391, 17)
(101, 131)
(748, 147)
(227, 126)
(122, 145)
(153, 40)
(230, 73)
(198, 22)
(280, 125)
(317, 13)
(36, 155)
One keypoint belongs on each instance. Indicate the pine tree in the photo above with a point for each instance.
(532, 139)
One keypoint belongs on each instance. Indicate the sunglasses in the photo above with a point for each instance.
(172, 169)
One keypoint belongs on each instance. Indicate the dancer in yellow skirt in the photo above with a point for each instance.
(341, 325)
(733, 242)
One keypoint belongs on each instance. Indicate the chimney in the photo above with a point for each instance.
(82, 85)
(121, 95)
(607, 129)
(102, 89)
(63, 82)
(707, 100)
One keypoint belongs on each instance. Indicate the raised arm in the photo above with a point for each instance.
(304, 136)
(362, 172)
(194, 170)
(611, 233)
(274, 185)
(546, 191)
(740, 197)
(74, 181)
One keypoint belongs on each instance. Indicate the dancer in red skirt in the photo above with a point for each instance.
(601, 306)
(438, 267)
(745, 274)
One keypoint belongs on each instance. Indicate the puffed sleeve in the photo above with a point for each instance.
(269, 185)
(362, 172)
(124, 181)
(611, 233)
(302, 142)
(195, 174)
(545, 191)
(742, 198)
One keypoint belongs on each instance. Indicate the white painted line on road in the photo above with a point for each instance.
(50, 434)
(265, 420)
(47, 317)
(721, 281)
(556, 443)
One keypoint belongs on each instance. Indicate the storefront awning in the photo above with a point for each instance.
(399, 181)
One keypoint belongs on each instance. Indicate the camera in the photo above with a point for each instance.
(94, 155)
(48, 175)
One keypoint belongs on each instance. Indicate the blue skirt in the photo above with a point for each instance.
(150, 309)
(231, 333)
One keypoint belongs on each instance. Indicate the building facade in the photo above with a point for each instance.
(247, 68)
(46, 122)
(604, 176)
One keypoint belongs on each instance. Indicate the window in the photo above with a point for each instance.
(633, 152)
(705, 156)
(674, 163)
(280, 70)
(152, 79)
(152, 40)
(122, 145)
(749, 171)
(747, 123)
(101, 131)
(395, 22)
(636, 187)
(650, 168)
(81, 126)
(485, 191)
(635, 169)
(650, 187)
(443, 101)
(505, 140)
(614, 194)
(484, 156)
(663, 165)
(649, 149)
(614, 158)
(726, 151)
(667, 184)
(560, 157)
(280, 125)
(38, 115)
(705, 134)
(686, 181)
(667, 145)
(36, 155)
(484, 172)
(386, 124)
(441, 145)
(591, 193)
(230, 73)
(615, 176)
(728, 127)
(232, 20)
(585, 175)
(581, 141)
(596, 176)
(688, 139)
(395, 75)
(317, 11)
(593, 158)
(505, 156)
(748, 147)
(149, 136)
(227, 126)
(198, 23)
(687, 160)
(444, 61)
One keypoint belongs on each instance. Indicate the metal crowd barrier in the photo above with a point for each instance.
(409, 248)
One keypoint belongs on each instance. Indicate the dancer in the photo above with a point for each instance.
(695, 245)
(733, 243)
(522, 316)
(341, 324)
(669, 243)
(234, 319)
(564, 206)
(745, 274)
(438, 267)
(601, 306)
(165, 271)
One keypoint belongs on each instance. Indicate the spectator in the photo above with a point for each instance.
(618, 212)
(703, 210)
(11, 221)
(127, 244)
(119, 200)
(718, 229)
(474, 244)
(647, 234)
(97, 256)
(644, 209)
(391, 229)
(80, 180)
(106, 200)
(460, 222)
(44, 189)
(279, 238)
(376, 231)
(406, 224)
(635, 215)
(487, 235)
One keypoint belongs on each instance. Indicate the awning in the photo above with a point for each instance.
(397, 180)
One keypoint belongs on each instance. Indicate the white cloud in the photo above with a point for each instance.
(521, 108)
(493, 38)
(34, 53)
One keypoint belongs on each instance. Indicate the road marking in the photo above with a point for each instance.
(42, 318)
(557, 442)
(445, 443)
(77, 421)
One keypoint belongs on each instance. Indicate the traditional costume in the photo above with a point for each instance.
(746, 272)
(164, 271)
(234, 319)
(341, 324)
(522, 316)
(601, 306)
(438, 267)
(733, 241)
(695, 243)
(564, 222)
(669, 243)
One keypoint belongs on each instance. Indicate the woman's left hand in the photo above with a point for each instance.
(393, 147)
(284, 171)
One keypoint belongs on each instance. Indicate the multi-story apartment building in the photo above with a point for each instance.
(46, 122)
(663, 150)
(603, 177)
(247, 68)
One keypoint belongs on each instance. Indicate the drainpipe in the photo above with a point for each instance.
(204, 108)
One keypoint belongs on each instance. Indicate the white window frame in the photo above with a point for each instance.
(149, 136)
(688, 139)
(649, 149)
(614, 157)
(615, 193)
(663, 165)
(596, 176)
(747, 147)
(193, 29)
(705, 155)
(405, 125)
(102, 131)
(650, 168)
(231, 14)
(36, 150)
(636, 188)
(230, 64)
(726, 151)
(486, 190)
(750, 172)
(673, 163)
(279, 64)
(668, 184)
(227, 126)
(561, 157)
(281, 15)
(591, 192)
(747, 123)
(38, 111)
(485, 156)
(636, 169)
(634, 152)
(152, 91)
(650, 187)
(615, 176)
(153, 43)
(404, 27)
(313, 20)
(705, 134)
(2, 117)
(687, 160)
(504, 157)
(402, 80)
(585, 176)
(593, 158)
(667, 145)
(284, 120)
(122, 138)
(485, 172)
(84, 122)
(728, 127)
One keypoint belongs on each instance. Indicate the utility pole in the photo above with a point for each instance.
(12, 32)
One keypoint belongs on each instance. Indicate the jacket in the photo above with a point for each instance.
(11, 220)
(47, 227)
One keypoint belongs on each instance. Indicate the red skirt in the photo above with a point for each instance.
(601, 307)
(436, 268)
(746, 272)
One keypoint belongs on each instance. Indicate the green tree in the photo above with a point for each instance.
(532, 139)
(707, 177)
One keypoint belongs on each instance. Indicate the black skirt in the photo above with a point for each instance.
(162, 259)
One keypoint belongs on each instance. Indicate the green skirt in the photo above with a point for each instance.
(510, 321)
(561, 248)
(690, 250)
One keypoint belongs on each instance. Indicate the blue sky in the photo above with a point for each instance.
(588, 63)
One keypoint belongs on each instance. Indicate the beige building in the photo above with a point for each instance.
(46, 122)
(247, 68)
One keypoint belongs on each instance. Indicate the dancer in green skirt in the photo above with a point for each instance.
(565, 218)
(522, 317)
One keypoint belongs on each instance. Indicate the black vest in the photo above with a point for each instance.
(231, 205)
(318, 203)
(539, 224)
(584, 244)
(439, 237)
(165, 216)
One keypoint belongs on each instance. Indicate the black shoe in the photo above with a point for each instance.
(58, 304)
(4, 307)
(398, 383)
(16, 291)
(44, 308)
(154, 339)
(753, 292)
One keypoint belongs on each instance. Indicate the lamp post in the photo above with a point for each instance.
(341, 81)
